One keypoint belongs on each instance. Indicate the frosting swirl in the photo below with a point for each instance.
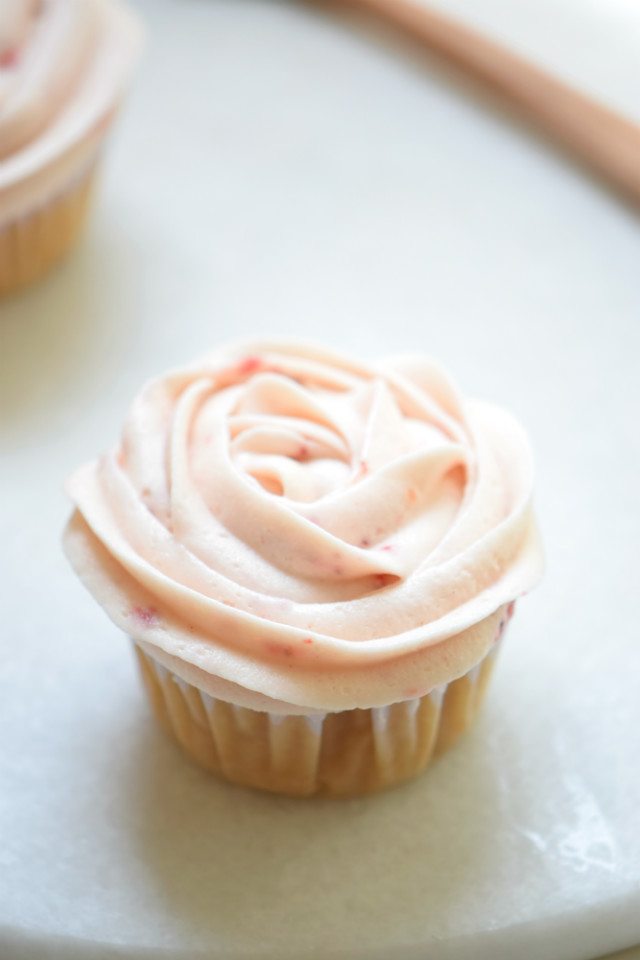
(62, 67)
(43, 49)
(291, 529)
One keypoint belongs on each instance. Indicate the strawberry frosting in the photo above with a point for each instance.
(292, 530)
(63, 66)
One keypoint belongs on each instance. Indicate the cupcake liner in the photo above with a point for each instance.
(32, 243)
(336, 754)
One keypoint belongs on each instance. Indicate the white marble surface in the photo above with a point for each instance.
(278, 174)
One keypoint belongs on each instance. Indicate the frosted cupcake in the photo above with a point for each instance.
(316, 559)
(63, 68)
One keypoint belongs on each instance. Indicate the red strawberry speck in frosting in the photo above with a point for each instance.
(146, 616)
(249, 365)
(383, 579)
(280, 649)
(9, 57)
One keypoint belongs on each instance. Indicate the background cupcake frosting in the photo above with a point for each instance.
(44, 49)
(63, 66)
(284, 524)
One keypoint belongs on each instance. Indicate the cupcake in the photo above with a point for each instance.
(315, 558)
(63, 68)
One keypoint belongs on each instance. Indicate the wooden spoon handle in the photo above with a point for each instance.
(607, 141)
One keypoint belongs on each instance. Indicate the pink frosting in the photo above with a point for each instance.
(294, 530)
(63, 64)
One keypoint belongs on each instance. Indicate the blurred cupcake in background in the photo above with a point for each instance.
(64, 65)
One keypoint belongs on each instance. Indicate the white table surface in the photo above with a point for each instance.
(278, 174)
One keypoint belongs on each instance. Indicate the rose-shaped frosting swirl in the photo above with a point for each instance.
(62, 67)
(294, 530)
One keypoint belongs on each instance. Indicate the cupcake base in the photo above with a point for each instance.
(32, 244)
(336, 754)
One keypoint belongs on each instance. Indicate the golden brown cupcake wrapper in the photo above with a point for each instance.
(337, 754)
(31, 244)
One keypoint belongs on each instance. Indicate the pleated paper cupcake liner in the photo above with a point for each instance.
(32, 244)
(337, 754)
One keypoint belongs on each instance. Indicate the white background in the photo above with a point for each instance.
(278, 172)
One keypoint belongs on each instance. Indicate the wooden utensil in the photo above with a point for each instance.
(606, 141)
